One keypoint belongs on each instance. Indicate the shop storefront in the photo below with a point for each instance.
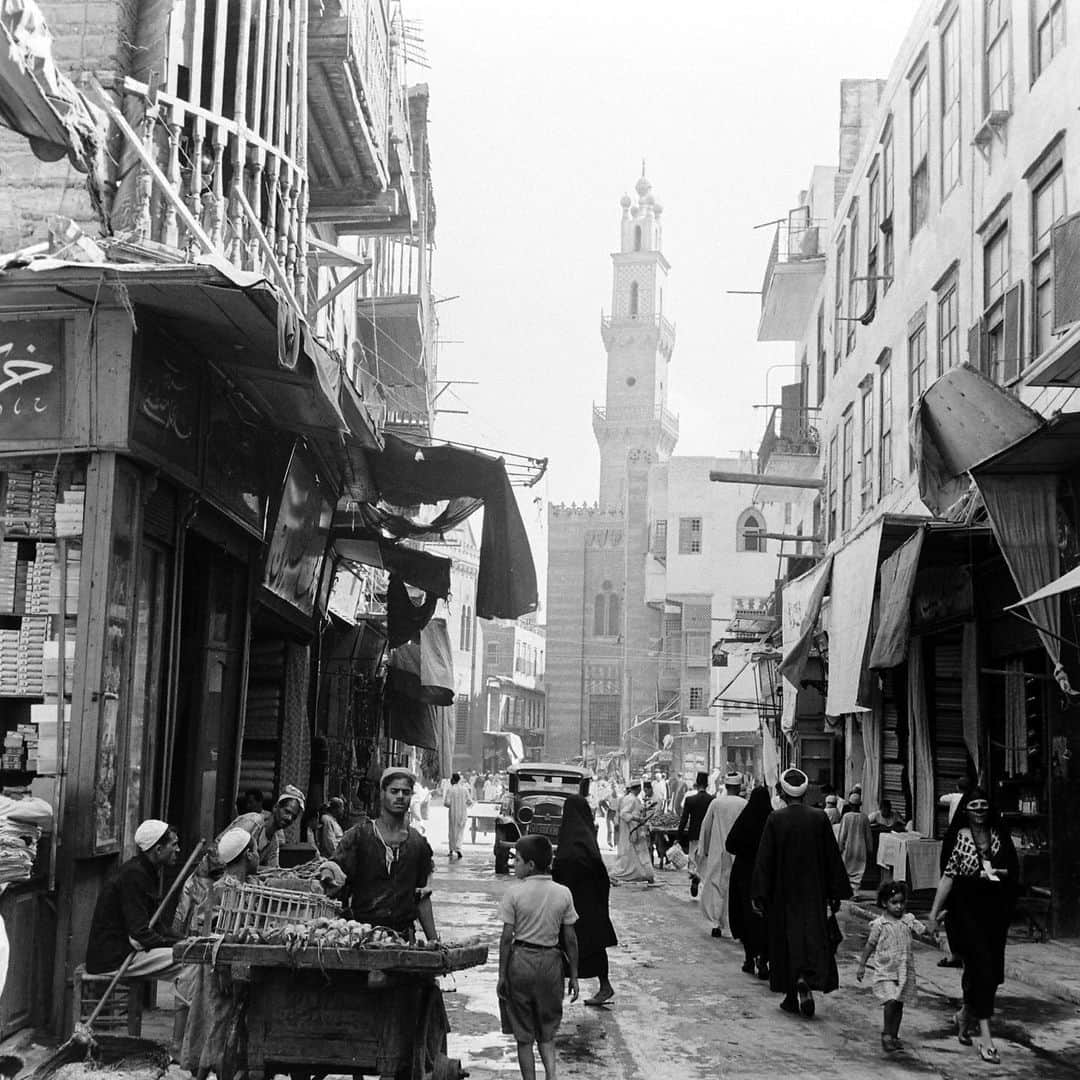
(143, 456)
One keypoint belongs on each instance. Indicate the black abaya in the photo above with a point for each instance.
(743, 841)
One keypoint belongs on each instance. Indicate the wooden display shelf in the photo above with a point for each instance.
(439, 961)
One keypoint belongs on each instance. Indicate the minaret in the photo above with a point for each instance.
(634, 423)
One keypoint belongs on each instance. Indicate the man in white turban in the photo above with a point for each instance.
(121, 920)
(716, 859)
(798, 876)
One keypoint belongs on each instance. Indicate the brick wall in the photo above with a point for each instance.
(89, 38)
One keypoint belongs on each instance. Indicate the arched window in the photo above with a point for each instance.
(637, 237)
(607, 613)
(633, 299)
(600, 615)
(750, 532)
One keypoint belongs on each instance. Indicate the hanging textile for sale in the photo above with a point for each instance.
(424, 670)
(897, 584)
(405, 620)
(1023, 514)
(871, 741)
(920, 754)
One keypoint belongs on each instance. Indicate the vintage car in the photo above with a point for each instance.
(533, 804)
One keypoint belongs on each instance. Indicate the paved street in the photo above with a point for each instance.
(684, 1010)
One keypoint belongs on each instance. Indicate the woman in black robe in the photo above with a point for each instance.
(746, 924)
(580, 868)
(979, 884)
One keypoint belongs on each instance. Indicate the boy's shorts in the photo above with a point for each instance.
(533, 1011)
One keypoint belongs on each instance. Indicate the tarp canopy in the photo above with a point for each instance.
(800, 607)
(854, 577)
(1065, 583)
(897, 583)
(960, 420)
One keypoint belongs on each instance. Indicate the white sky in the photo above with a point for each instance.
(540, 116)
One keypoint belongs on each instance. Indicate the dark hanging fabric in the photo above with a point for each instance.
(368, 519)
(410, 721)
(424, 670)
(420, 569)
(404, 619)
(409, 475)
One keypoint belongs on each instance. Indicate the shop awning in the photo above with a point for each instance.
(854, 577)
(960, 420)
(1065, 583)
(1061, 364)
(801, 602)
(1054, 447)
(897, 584)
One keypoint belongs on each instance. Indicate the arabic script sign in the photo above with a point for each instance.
(166, 403)
(31, 379)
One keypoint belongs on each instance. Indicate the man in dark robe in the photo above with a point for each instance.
(693, 813)
(798, 876)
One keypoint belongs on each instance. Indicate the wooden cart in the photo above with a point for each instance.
(361, 1011)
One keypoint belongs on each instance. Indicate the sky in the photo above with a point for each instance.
(540, 117)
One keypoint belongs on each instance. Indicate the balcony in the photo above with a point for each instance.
(359, 143)
(792, 277)
(396, 327)
(604, 420)
(614, 326)
(789, 433)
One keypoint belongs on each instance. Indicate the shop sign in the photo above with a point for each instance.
(166, 405)
(297, 545)
(31, 378)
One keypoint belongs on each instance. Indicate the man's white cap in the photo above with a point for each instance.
(233, 844)
(733, 779)
(149, 833)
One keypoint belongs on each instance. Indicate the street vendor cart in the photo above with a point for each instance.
(308, 1004)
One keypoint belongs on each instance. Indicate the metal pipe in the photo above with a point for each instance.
(720, 476)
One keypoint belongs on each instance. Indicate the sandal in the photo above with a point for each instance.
(959, 1019)
(990, 1055)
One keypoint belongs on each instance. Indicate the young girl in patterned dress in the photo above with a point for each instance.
(894, 961)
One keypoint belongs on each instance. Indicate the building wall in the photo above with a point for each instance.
(89, 38)
(997, 167)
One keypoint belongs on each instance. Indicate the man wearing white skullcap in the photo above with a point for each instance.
(798, 876)
(716, 871)
(122, 917)
(267, 827)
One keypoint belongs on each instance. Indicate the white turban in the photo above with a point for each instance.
(233, 843)
(290, 792)
(794, 782)
(149, 833)
(733, 779)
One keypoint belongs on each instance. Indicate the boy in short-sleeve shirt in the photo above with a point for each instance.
(537, 916)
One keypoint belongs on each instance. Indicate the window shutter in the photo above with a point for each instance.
(975, 346)
(1012, 346)
(1065, 240)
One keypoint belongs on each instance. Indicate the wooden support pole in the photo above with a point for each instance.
(766, 480)
(268, 253)
(339, 288)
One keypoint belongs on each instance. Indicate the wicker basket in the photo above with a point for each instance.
(247, 906)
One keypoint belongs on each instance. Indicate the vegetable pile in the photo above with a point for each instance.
(324, 933)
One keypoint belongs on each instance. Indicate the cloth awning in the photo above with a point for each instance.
(960, 420)
(801, 602)
(1053, 447)
(1065, 583)
(854, 577)
(897, 584)
(418, 568)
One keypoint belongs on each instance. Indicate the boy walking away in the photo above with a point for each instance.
(538, 916)
(894, 960)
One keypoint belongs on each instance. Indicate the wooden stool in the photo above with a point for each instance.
(124, 1007)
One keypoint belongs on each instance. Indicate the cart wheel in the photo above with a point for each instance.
(448, 1069)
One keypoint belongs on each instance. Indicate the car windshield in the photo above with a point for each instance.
(563, 785)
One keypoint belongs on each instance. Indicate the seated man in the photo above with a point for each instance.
(387, 864)
(121, 920)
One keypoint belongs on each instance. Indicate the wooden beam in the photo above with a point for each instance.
(152, 167)
(798, 538)
(269, 253)
(766, 480)
(339, 256)
(339, 288)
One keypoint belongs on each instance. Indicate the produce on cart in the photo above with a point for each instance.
(316, 992)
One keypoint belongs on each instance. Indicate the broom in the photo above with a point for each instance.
(81, 1043)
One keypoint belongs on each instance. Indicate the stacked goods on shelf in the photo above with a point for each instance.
(33, 633)
(9, 661)
(43, 504)
(69, 510)
(13, 758)
(262, 719)
(17, 499)
(9, 557)
(51, 668)
(42, 573)
(18, 848)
